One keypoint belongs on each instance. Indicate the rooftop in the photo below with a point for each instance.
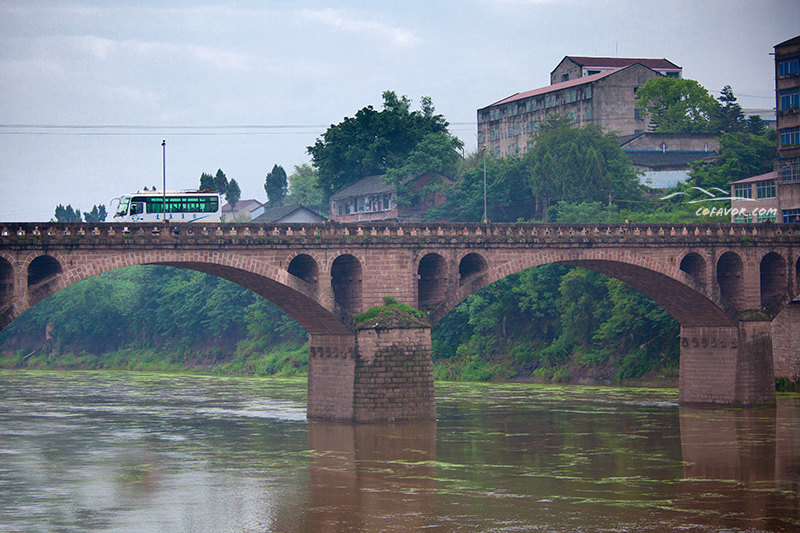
(555, 87)
(620, 62)
(762, 177)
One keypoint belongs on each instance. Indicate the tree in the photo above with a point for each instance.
(373, 142)
(579, 164)
(304, 188)
(233, 193)
(741, 155)
(276, 186)
(67, 214)
(730, 116)
(207, 182)
(97, 214)
(220, 182)
(678, 105)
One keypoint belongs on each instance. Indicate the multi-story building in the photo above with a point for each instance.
(775, 196)
(787, 104)
(572, 67)
(605, 98)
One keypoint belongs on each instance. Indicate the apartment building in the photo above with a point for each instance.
(605, 98)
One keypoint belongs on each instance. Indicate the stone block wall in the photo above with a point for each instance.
(394, 375)
(786, 343)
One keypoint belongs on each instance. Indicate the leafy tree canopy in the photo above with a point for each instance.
(67, 214)
(276, 186)
(304, 188)
(97, 214)
(579, 164)
(373, 142)
(206, 182)
(679, 105)
(741, 155)
(233, 193)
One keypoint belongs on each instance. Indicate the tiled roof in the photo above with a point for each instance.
(656, 159)
(366, 186)
(277, 213)
(556, 87)
(619, 62)
(762, 177)
(242, 205)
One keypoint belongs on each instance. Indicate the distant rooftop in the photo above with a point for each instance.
(620, 62)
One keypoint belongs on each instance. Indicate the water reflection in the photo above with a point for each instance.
(373, 477)
(122, 452)
(742, 466)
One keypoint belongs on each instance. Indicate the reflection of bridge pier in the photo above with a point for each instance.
(724, 284)
(742, 447)
(364, 467)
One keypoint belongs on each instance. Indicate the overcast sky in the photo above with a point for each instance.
(89, 89)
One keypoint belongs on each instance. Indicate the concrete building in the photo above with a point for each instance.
(572, 67)
(787, 104)
(664, 158)
(605, 99)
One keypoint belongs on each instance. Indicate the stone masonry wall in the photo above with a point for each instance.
(786, 343)
(394, 375)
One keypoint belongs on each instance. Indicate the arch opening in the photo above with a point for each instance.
(41, 269)
(470, 265)
(6, 282)
(346, 283)
(431, 281)
(304, 267)
(694, 265)
(773, 280)
(729, 278)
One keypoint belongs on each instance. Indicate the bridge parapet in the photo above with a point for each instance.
(16, 235)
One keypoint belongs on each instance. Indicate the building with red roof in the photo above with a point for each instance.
(605, 98)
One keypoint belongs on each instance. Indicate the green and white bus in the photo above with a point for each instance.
(183, 206)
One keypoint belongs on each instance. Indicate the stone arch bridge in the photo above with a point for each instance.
(724, 284)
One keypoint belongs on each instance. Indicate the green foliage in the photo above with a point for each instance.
(220, 182)
(741, 155)
(148, 317)
(678, 105)
(97, 214)
(233, 193)
(276, 186)
(206, 182)
(391, 315)
(304, 189)
(67, 214)
(373, 142)
(579, 164)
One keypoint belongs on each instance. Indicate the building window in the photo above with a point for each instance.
(789, 171)
(765, 189)
(790, 99)
(790, 136)
(673, 74)
(788, 67)
(791, 216)
(587, 92)
(592, 72)
(741, 219)
(565, 77)
(769, 217)
(742, 190)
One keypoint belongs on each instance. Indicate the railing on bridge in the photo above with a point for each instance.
(28, 234)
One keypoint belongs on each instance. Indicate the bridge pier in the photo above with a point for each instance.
(727, 365)
(374, 375)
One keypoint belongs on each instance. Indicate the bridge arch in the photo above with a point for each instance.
(730, 271)
(6, 282)
(471, 264)
(297, 298)
(304, 267)
(346, 282)
(773, 280)
(682, 294)
(431, 280)
(695, 265)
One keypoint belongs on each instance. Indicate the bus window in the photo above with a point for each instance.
(137, 208)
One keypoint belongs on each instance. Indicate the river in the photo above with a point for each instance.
(108, 451)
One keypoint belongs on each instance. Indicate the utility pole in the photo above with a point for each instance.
(164, 178)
